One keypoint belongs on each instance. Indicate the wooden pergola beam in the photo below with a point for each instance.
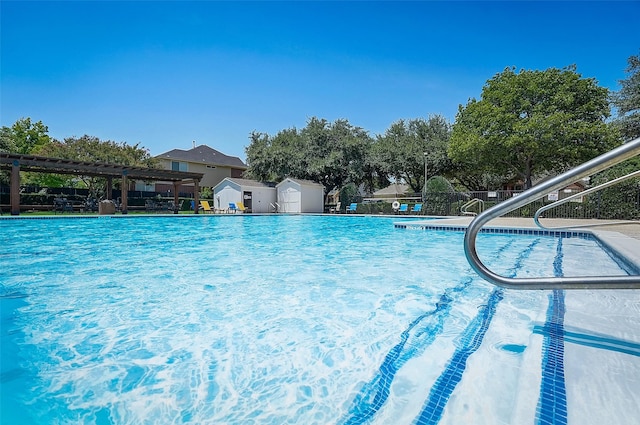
(39, 164)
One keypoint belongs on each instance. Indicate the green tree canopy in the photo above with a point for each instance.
(24, 137)
(403, 149)
(92, 149)
(531, 123)
(332, 154)
(627, 101)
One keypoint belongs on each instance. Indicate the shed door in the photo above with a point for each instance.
(291, 200)
(247, 198)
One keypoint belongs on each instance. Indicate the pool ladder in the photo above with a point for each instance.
(475, 201)
(600, 163)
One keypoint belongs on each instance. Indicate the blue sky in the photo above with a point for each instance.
(164, 74)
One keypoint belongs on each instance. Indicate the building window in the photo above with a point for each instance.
(179, 166)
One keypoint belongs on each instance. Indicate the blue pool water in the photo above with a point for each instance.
(302, 320)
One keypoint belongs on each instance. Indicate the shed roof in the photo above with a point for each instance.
(203, 154)
(246, 182)
(301, 182)
(250, 183)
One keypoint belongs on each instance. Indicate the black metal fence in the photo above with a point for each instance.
(620, 203)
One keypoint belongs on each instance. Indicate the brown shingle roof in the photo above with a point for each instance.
(203, 154)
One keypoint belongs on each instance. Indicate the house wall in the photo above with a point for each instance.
(212, 174)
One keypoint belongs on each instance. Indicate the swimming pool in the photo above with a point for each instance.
(304, 320)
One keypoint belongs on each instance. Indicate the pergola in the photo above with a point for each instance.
(40, 164)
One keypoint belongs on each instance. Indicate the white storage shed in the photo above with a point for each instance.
(300, 196)
(257, 197)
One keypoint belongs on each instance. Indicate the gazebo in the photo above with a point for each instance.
(39, 164)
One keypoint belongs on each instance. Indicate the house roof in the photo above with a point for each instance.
(203, 154)
(393, 189)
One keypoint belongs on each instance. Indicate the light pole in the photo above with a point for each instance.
(424, 192)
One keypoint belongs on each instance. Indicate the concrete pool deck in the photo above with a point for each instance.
(622, 238)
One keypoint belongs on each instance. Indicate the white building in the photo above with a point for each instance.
(257, 197)
(300, 196)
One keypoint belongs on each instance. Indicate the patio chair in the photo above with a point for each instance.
(417, 208)
(206, 207)
(91, 205)
(149, 205)
(404, 208)
(62, 205)
(351, 208)
(240, 206)
(232, 208)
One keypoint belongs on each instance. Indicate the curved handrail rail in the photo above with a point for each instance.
(613, 157)
(467, 205)
(536, 216)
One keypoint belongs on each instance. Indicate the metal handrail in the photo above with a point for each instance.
(536, 216)
(602, 162)
(467, 205)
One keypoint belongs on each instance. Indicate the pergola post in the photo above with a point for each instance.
(196, 196)
(176, 185)
(109, 189)
(125, 193)
(15, 188)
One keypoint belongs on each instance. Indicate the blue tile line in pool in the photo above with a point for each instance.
(376, 392)
(499, 230)
(470, 342)
(588, 339)
(446, 383)
(552, 402)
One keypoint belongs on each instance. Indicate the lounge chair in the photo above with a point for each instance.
(232, 208)
(240, 206)
(206, 207)
(404, 208)
(351, 208)
(417, 208)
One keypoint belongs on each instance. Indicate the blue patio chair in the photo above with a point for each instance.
(232, 207)
(351, 208)
(404, 208)
(417, 208)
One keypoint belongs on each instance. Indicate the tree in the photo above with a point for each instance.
(274, 158)
(400, 152)
(332, 154)
(24, 137)
(532, 123)
(627, 101)
(92, 149)
(336, 152)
